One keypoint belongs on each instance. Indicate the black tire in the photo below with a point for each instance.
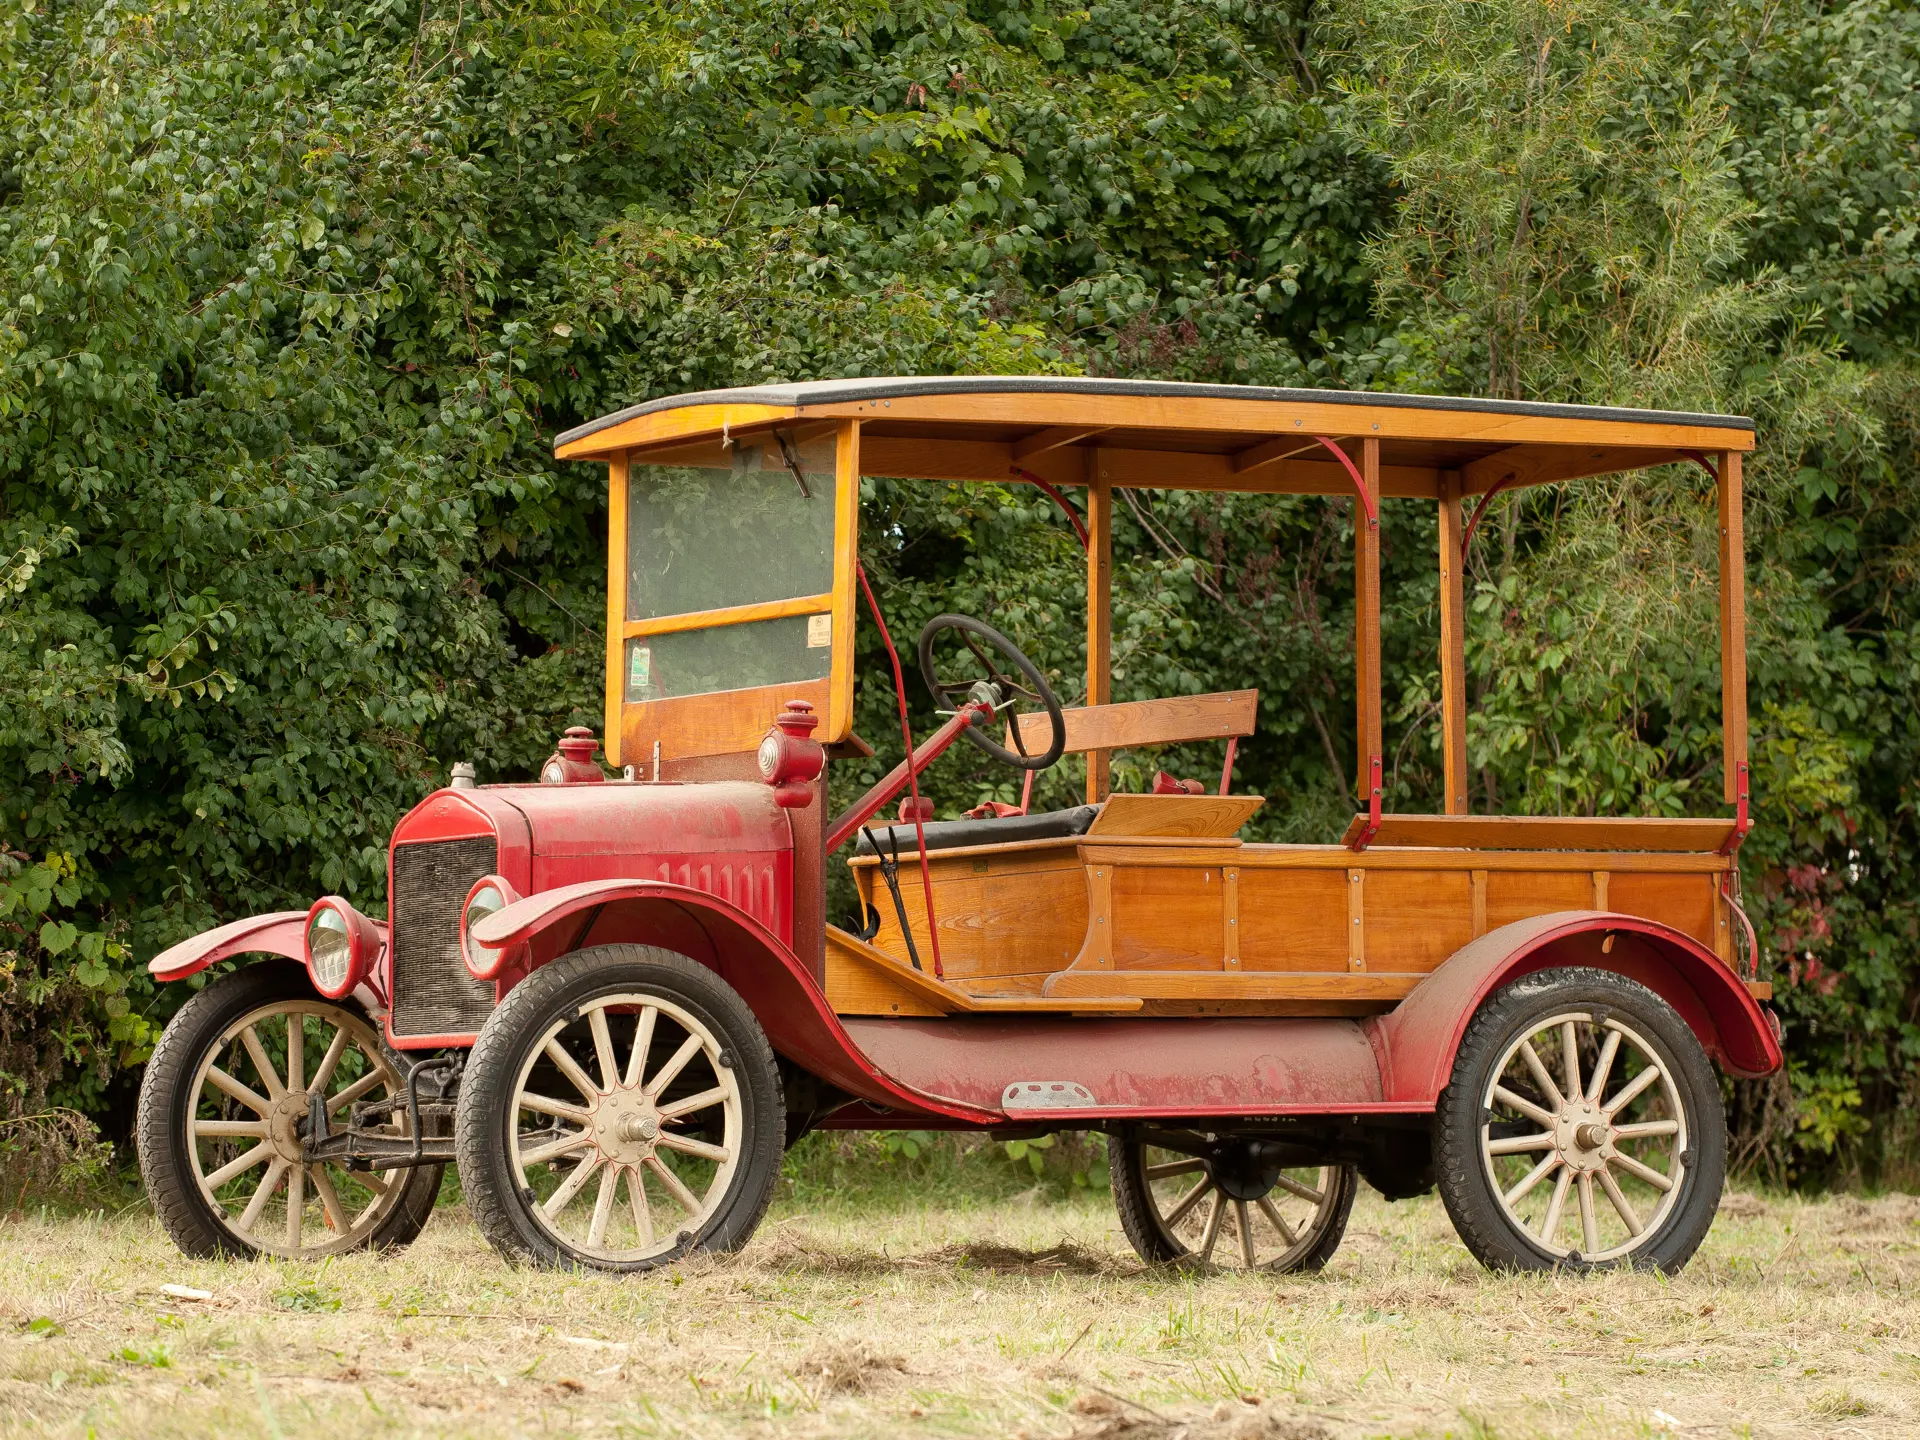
(1682, 1094)
(509, 1052)
(1154, 1240)
(168, 1097)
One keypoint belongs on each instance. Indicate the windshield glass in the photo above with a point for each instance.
(738, 533)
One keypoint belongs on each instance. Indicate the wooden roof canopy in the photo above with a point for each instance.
(1167, 435)
(1150, 434)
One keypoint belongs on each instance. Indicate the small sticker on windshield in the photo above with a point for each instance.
(640, 673)
(819, 631)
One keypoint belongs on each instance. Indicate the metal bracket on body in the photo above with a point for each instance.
(1372, 827)
(1742, 810)
(1047, 1095)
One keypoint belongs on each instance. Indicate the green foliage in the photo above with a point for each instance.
(295, 298)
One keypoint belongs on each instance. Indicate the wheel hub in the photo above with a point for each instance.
(286, 1119)
(1247, 1169)
(1583, 1135)
(626, 1126)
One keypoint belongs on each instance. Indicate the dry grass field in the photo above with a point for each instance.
(932, 1308)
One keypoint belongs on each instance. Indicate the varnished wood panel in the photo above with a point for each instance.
(1146, 722)
(1026, 922)
(1167, 919)
(1293, 920)
(1545, 832)
(1188, 816)
(1416, 919)
(1515, 895)
(1686, 902)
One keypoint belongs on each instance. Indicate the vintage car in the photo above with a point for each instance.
(612, 1000)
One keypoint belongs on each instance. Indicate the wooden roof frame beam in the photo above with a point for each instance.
(1056, 437)
(1519, 466)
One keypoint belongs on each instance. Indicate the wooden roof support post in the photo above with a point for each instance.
(1366, 639)
(616, 605)
(1099, 613)
(1453, 644)
(1733, 639)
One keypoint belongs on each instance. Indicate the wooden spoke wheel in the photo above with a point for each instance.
(1228, 1201)
(621, 1109)
(1582, 1128)
(227, 1103)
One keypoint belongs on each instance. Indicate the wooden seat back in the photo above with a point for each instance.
(1228, 715)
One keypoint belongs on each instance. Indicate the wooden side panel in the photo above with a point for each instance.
(1167, 919)
(856, 989)
(1293, 919)
(1178, 816)
(1029, 921)
(1417, 918)
(1519, 894)
(1686, 902)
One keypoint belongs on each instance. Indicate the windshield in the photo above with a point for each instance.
(744, 530)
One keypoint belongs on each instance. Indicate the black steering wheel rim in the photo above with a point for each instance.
(950, 696)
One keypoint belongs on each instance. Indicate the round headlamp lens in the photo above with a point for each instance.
(329, 949)
(484, 902)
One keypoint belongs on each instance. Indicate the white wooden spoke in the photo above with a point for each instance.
(570, 1067)
(329, 1200)
(559, 1109)
(674, 1185)
(1645, 1129)
(324, 1071)
(1521, 1144)
(1303, 1192)
(603, 1048)
(1525, 1106)
(572, 1185)
(1175, 1167)
(637, 1201)
(1550, 1225)
(603, 1202)
(251, 1215)
(245, 1094)
(296, 1051)
(687, 1145)
(1185, 1205)
(1633, 1088)
(642, 1043)
(379, 1184)
(343, 1098)
(1653, 1177)
(1540, 1076)
(296, 1204)
(554, 1148)
(1272, 1212)
(1211, 1236)
(1628, 1216)
(240, 1164)
(262, 1066)
(670, 1071)
(1245, 1221)
(1589, 1222)
(1532, 1178)
(228, 1129)
(1603, 1067)
(693, 1103)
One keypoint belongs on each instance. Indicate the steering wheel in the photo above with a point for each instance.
(993, 687)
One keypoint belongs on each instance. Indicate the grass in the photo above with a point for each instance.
(929, 1298)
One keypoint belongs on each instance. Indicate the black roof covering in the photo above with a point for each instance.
(888, 387)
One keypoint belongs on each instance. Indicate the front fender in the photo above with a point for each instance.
(780, 991)
(281, 933)
(1416, 1041)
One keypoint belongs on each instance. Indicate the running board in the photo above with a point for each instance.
(865, 980)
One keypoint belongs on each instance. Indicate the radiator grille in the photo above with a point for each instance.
(432, 992)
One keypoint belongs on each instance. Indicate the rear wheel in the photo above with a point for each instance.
(224, 1108)
(1582, 1128)
(621, 1109)
(1226, 1200)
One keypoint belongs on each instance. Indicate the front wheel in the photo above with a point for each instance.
(621, 1109)
(1582, 1128)
(1227, 1200)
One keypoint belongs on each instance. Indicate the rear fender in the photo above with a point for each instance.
(1416, 1042)
(281, 933)
(785, 998)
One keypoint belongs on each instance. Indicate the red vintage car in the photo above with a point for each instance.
(612, 999)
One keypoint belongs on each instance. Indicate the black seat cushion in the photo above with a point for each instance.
(952, 834)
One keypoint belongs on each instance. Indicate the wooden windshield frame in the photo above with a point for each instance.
(1102, 436)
